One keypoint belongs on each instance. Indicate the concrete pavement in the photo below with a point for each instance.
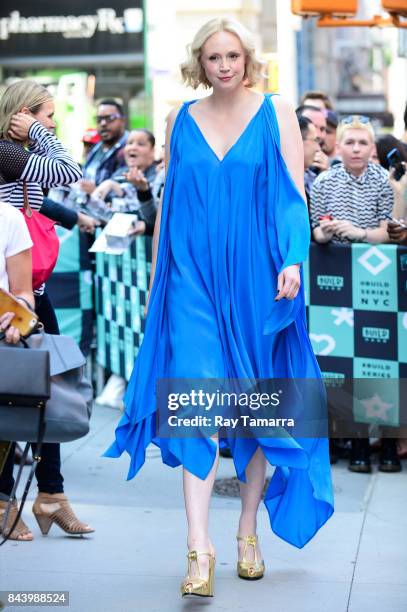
(136, 559)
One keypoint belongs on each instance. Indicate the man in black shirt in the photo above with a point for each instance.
(106, 156)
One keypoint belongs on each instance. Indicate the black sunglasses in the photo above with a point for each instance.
(108, 118)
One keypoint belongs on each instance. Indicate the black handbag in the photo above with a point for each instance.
(24, 385)
(44, 397)
(70, 395)
(24, 380)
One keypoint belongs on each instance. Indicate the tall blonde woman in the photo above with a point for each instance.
(226, 299)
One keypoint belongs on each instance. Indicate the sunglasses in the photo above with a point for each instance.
(108, 118)
(355, 119)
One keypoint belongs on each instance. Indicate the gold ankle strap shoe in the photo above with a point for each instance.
(250, 570)
(196, 585)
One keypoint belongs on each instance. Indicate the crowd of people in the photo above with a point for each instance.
(354, 194)
(120, 172)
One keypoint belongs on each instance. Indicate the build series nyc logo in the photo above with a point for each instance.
(376, 334)
(327, 282)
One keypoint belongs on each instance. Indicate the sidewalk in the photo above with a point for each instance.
(136, 559)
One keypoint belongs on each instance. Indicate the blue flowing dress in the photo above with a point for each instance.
(228, 227)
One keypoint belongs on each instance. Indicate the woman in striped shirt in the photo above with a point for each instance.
(26, 118)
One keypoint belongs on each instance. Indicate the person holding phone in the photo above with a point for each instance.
(15, 265)
(15, 277)
(133, 185)
(392, 155)
(31, 155)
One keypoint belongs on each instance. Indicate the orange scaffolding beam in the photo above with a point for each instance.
(328, 21)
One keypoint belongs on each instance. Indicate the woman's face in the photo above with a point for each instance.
(138, 151)
(45, 116)
(223, 59)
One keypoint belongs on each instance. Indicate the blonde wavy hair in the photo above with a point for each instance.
(192, 70)
(17, 96)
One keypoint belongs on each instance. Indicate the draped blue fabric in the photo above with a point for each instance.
(228, 228)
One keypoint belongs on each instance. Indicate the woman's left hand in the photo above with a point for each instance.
(20, 124)
(136, 177)
(288, 283)
(12, 335)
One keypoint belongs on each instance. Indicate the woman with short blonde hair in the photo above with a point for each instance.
(226, 303)
(192, 70)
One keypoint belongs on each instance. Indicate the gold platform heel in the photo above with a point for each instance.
(250, 570)
(196, 585)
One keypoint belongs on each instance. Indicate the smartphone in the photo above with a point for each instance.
(327, 217)
(24, 320)
(396, 161)
(399, 222)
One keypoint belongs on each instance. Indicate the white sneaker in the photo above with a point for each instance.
(113, 392)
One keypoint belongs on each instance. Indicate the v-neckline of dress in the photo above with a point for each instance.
(238, 139)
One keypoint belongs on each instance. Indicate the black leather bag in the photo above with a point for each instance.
(44, 397)
(24, 380)
(68, 395)
(25, 387)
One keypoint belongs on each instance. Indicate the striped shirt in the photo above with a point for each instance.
(363, 200)
(46, 164)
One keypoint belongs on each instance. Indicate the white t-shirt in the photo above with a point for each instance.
(14, 238)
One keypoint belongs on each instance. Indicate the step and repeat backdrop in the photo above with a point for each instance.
(71, 287)
(356, 300)
(121, 287)
(357, 309)
(357, 319)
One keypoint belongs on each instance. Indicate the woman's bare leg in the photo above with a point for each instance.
(197, 495)
(251, 494)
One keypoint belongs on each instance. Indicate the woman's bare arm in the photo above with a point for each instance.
(20, 276)
(18, 268)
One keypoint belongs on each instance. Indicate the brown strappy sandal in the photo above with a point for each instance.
(20, 529)
(55, 508)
